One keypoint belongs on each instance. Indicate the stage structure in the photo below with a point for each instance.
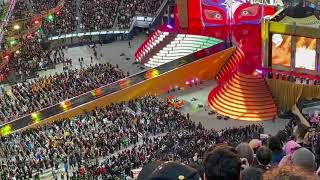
(291, 40)
(224, 12)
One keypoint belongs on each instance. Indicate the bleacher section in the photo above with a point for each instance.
(163, 47)
(244, 97)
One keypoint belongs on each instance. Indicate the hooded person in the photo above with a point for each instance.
(289, 148)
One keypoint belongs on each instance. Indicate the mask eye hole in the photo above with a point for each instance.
(245, 13)
(214, 15)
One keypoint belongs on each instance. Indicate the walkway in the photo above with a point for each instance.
(78, 15)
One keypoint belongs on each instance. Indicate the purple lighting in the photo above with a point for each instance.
(169, 26)
(259, 71)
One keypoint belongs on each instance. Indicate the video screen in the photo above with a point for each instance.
(281, 50)
(306, 53)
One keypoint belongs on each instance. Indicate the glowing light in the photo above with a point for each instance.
(169, 26)
(36, 22)
(259, 71)
(66, 105)
(51, 17)
(124, 83)
(29, 36)
(6, 130)
(36, 117)
(97, 92)
(13, 42)
(187, 83)
(152, 73)
(58, 13)
(6, 57)
(16, 27)
(18, 52)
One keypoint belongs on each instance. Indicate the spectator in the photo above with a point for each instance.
(264, 156)
(245, 151)
(289, 148)
(252, 173)
(170, 171)
(222, 163)
(288, 173)
(276, 148)
(305, 159)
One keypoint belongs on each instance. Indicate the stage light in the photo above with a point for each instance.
(6, 130)
(16, 27)
(13, 42)
(6, 57)
(36, 117)
(51, 17)
(187, 83)
(29, 36)
(65, 105)
(259, 71)
(169, 26)
(36, 22)
(97, 92)
(152, 73)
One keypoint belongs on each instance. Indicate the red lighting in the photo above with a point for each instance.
(58, 13)
(29, 36)
(6, 57)
(36, 22)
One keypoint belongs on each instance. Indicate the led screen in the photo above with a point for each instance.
(281, 50)
(306, 53)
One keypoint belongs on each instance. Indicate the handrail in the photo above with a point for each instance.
(164, 3)
(6, 20)
(79, 34)
(105, 90)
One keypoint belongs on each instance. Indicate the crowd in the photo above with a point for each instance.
(111, 142)
(33, 95)
(65, 22)
(43, 5)
(98, 14)
(133, 8)
(29, 59)
(87, 143)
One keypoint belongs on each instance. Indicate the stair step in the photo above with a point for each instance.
(250, 103)
(247, 90)
(244, 108)
(245, 97)
(244, 116)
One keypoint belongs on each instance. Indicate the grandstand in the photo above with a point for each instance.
(150, 89)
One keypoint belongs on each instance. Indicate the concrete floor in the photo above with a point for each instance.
(110, 53)
(201, 92)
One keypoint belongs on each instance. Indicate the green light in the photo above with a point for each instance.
(13, 42)
(6, 130)
(51, 17)
(36, 117)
